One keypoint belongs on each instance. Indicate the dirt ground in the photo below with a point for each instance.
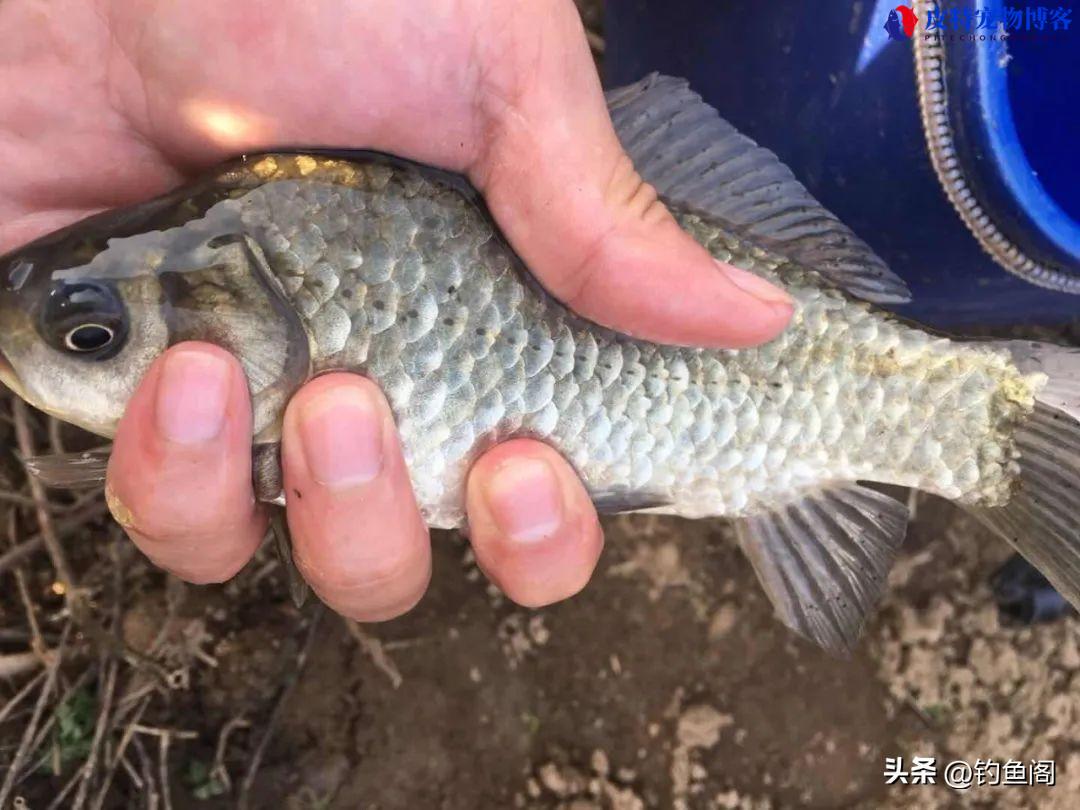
(666, 684)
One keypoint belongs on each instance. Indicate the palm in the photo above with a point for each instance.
(116, 105)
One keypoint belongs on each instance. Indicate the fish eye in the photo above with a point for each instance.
(89, 337)
(84, 318)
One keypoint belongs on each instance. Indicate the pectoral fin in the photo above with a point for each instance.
(84, 470)
(823, 560)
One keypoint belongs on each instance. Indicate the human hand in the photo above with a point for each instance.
(108, 103)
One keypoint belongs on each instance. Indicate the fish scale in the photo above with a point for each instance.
(470, 352)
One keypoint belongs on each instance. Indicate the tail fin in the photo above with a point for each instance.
(1042, 519)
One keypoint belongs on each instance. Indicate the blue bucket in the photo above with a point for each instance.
(834, 94)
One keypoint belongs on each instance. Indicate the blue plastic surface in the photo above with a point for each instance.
(835, 98)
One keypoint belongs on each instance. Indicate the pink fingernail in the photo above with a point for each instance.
(525, 499)
(192, 395)
(755, 285)
(341, 430)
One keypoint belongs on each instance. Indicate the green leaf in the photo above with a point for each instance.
(75, 719)
(203, 785)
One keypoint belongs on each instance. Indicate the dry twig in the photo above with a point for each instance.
(37, 643)
(275, 714)
(165, 737)
(24, 549)
(16, 664)
(56, 441)
(155, 731)
(89, 768)
(18, 499)
(373, 648)
(36, 542)
(46, 727)
(20, 696)
(58, 800)
(163, 769)
(147, 774)
(28, 734)
(56, 551)
(218, 771)
(133, 775)
(596, 42)
(119, 758)
(73, 597)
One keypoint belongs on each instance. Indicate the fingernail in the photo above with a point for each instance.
(755, 285)
(341, 431)
(192, 396)
(526, 500)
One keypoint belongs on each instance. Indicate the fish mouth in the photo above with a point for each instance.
(9, 377)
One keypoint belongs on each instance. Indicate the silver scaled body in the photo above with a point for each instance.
(403, 278)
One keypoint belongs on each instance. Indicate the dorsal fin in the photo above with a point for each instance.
(823, 560)
(697, 160)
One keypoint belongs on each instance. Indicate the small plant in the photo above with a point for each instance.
(75, 719)
(532, 723)
(938, 713)
(200, 779)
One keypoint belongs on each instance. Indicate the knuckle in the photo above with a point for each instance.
(197, 570)
(169, 526)
(537, 595)
(332, 568)
(161, 509)
(207, 571)
(528, 598)
(378, 610)
(387, 568)
(200, 555)
(215, 574)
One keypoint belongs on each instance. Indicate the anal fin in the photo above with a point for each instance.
(621, 501)
(823, 560)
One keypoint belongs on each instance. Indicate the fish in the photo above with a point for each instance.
(307, 261)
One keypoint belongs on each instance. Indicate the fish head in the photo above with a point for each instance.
(80, 322)
(85, 311)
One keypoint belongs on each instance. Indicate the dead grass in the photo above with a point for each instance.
(92, 710)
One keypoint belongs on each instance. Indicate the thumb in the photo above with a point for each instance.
(566, 194)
